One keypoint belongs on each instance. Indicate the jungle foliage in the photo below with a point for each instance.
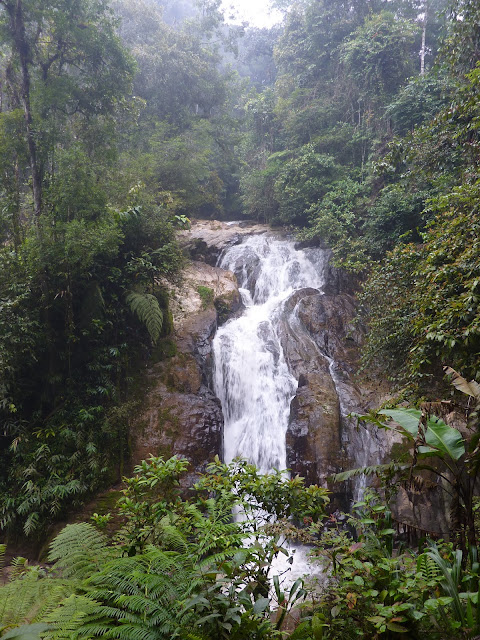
(182, 568)
(117, 123)
(113, 127)
(372, 149)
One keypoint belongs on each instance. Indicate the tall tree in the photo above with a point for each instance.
(64, 61)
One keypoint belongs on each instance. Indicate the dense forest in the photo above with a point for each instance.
(355, 125)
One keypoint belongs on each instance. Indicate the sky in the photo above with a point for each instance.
(256, 12)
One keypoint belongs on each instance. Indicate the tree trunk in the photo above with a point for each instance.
(424, 34)
(14, 9)
(17, 236)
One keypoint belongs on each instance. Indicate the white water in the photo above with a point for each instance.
(251, 376)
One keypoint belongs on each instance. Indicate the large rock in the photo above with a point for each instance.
(181, 415)
(206, 239)
(314, 435)
(321, 343)
(183, 420)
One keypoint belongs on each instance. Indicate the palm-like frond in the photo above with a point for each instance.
(130, 598)
(66, 622)
(145, 306)
(28, 598)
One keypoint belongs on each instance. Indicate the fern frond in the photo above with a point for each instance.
(427, 567)
(376, 470)
(19, 567)
(172, 537)
(137, 597)
(26, 599)
(145, 306)
(66, 621)
(79, 550)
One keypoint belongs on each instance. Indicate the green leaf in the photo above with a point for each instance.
(334, 611)
(396, 628)
(318, 625)
(260, 605)
(445, 438)
(438, 435)
(193, 602)
(407, 419)
(27, 632)
(211, 616)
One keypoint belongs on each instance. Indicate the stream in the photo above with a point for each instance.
(252, 374)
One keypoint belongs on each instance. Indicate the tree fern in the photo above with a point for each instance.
(145, 306)
(28, 598)
(130, 598)
(79, 550)
(66, 621)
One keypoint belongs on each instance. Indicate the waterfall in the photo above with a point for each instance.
(251, 376)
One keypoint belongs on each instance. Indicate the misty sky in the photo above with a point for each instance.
(255, 11)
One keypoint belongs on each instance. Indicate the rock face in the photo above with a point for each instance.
(206, 239)
(181, 414)
(321, 347)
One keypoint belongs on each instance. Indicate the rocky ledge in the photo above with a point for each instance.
(206, 239)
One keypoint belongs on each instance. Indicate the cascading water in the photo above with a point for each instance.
(251, 376)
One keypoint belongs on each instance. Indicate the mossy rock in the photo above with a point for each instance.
(206, 296)
(166, 348)
(226, 306)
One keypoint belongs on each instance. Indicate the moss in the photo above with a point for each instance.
(166, 348)
(206, 295)
(106, 502)
(224, 310)
(167, 416)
